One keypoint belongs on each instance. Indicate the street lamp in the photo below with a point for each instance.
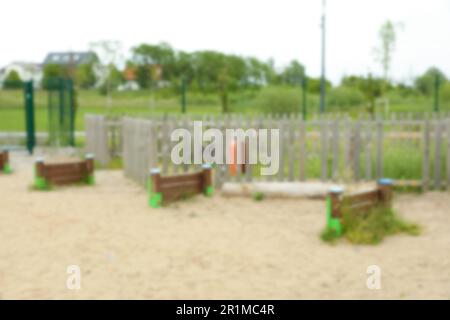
(322, 78)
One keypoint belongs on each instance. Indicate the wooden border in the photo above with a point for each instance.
(359, 202)
(167, 189)
(362, 201)
(64, 173)
(4, 162)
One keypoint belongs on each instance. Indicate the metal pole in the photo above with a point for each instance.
(29, 116)
(304, 102)
(322, 79)
(437, 84)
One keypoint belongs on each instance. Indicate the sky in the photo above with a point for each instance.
(278, 29)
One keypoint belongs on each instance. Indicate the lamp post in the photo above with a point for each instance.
(322, 78)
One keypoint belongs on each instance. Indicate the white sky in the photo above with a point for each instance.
(281, 29)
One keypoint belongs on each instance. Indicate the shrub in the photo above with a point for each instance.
(13, 81)
(371, 227)
(278, 100)
(346, 97)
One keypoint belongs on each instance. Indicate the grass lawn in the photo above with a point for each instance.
(142, 102)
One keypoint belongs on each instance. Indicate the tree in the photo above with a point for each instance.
(384, 51)
(13, 80)
(110, 54)
(51, 71)
(293, 74)
(152, 55)
(85, 76)
(425, 83)
(314, 85)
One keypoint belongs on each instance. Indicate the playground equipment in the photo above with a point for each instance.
(61, 112)
(167, 189)
(356, 203)
(47, 174)
(4, 162)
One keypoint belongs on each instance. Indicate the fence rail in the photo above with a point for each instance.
(412, 152)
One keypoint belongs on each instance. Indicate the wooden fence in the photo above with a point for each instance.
(103, 137)
(412, 152)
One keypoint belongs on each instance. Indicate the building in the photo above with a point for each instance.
(66, 58)
(26, 70)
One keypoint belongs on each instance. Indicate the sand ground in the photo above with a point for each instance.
(204, 248)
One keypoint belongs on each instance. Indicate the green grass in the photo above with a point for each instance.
(371, 227)
(144, 103)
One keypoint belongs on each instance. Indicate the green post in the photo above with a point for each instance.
(39, 180)
(155, 197)
(90, 179)
(71, 102)
(304, 101)
(62, 133)
(208, 188)
(437, 85)
(29, 116)
(333, 222)
(183, 95)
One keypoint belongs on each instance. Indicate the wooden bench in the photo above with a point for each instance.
(4, 162)
(356, 203)
(47, 174)
(163, 190)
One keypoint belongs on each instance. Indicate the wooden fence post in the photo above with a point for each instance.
(437, 154)
(356, 150)
(426, 156)
(302, 149)
(324, 149)
(448, 154)
(379, 149)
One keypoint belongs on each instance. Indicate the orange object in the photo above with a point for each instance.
(233, 154)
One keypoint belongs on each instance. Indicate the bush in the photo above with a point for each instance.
(346, 97)
(278, 100)
(13, 81)
(445, 92)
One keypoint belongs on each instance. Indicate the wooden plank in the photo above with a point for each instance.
(368, 146)
(291, 148)
(335, 139)
(426, 155)
(281, 123)
(269, 126)
(356, 150)
(347, 145)
(368, 196)
(438, 155)
(249, 167)
(379, 155)
(302, 149)
(448, 154)
(165, 146)
(324, 150)
(239, 147)
(186, 124)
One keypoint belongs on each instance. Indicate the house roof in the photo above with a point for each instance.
(70, 57)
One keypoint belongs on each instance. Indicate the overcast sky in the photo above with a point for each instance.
(278, 29)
